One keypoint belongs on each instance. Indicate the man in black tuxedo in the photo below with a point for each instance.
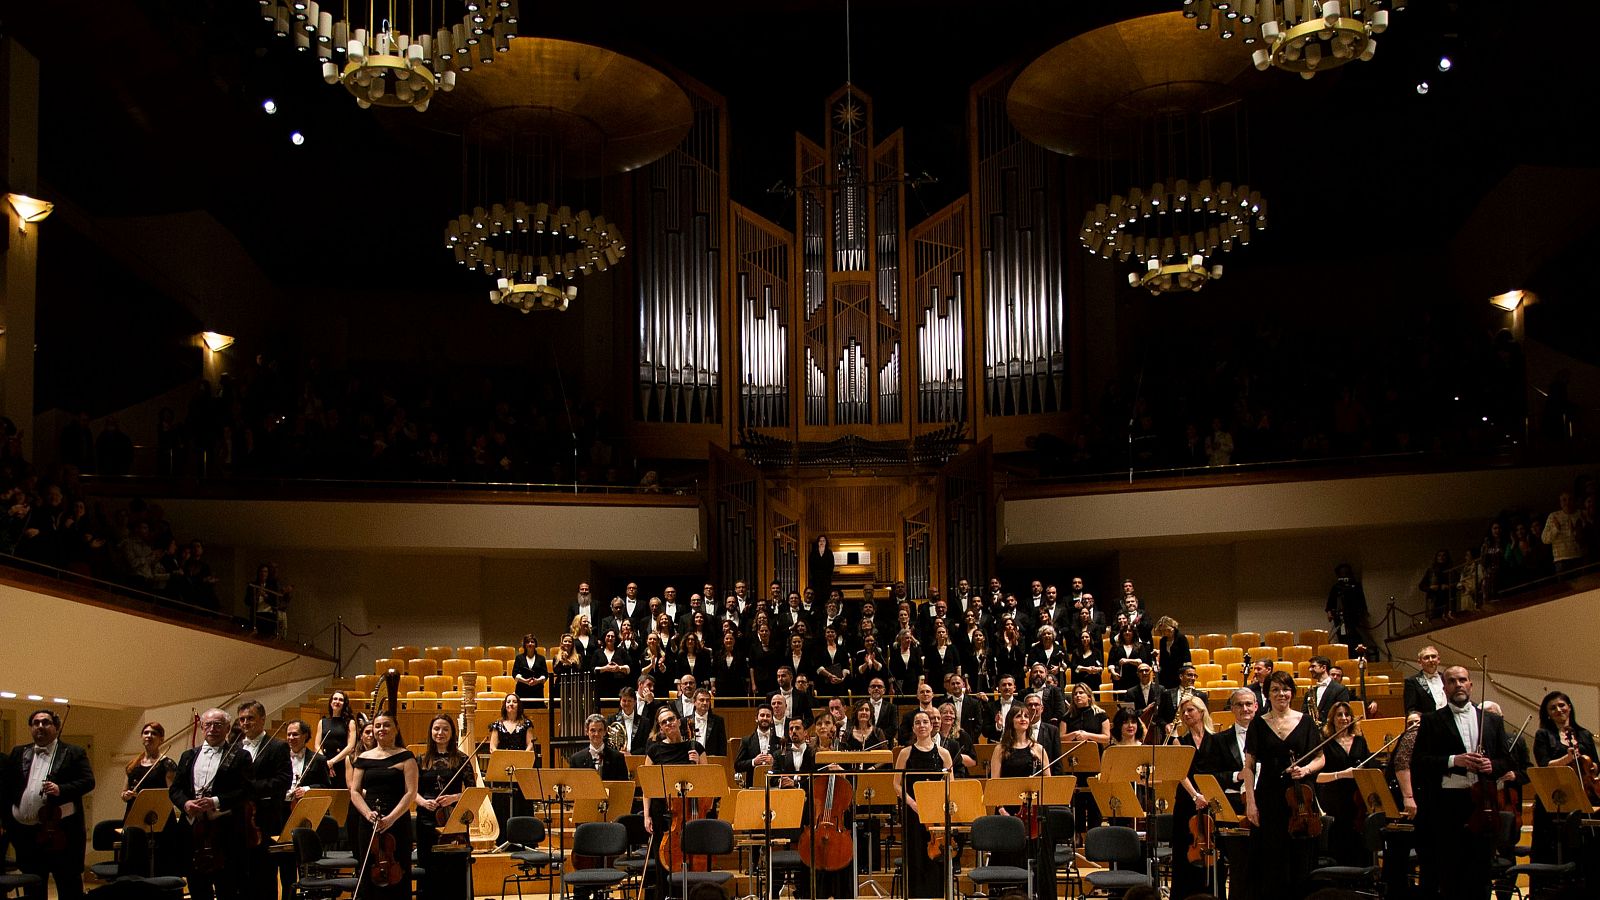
(797, 756)
(213, 784)
(1425, 690)
(598, 754)
(1324, 692)
(1456, 747)
(1005, 698)
(585, 604)
(309, 769)
(884, 714)
(759, 748)
(1046, 732)
(971, 711)
(1235, 848)
(1167, 707)
(707, 727)
(1144, 692)
(269, 776)
(47, 774)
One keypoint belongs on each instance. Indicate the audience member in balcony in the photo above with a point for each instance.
(1560, 533)
(113, 450)
(1524, 556)
(1438, 584)
(1347, 608)
(1469, 580)
(1492, 555)
(138, 558)
(262, 599)
(1219, 444)
(200, 582)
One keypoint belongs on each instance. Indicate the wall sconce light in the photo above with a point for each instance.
(1510, 301)
(29, 209)
(215, 342)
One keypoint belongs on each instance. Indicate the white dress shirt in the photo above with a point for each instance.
(206, 763)
(1466, 718)
(1436, 687)
(39, 759)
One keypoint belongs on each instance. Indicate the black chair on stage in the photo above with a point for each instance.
(525, 834)
(16, 881)
(636, 862)
(702, 837)
(314, 881)
(1001, 834)
(1363, 879)
(1544, 876)
(1117, 846)
(1062, 824)
(104, 838)
(606, 840)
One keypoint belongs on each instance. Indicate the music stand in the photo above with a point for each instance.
(685, 781)
(634, 762)
(560, 786)
(618, 802)
(1561, 793)
(307, 813)
(508, 762)
(752, 814)
(855, 757)
(1211, 789)
(339, 801)
(1373, 787)
(150, 811)
(1113, 789)
(875, 790)
(1379, 732)
(962, 799)
(466, 810)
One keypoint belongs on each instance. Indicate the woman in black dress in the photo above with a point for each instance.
(921, 760)
(510, 733)
(1276, 740)
(1559, 742)
(693, 660)
(905, 663)
(1085, 721)
(1087, 661)
(336, 737)
(819, 567)
(442, 772)
(530, 670)
(1019, 757)
(383, 783)
(730, 672)
(1336, 786)
(612, 666)
(151, 768)
(668, 749)
(1210, 758)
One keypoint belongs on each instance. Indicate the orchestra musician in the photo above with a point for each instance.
(920, 760)
(924, 705)
(1424, 691)
(1560, 741)
(1456, 746)
(1324, 691)
(1279, 740)
(151, 769)
(598, 754)
(632, 720)
(951, 737)
(758, 748)
(669, 749)
(47, 779)
(440, 779)
(706, 726)
(1168, 707)
(1172, 646)
(1336, 787)
(1235, 847)
(336, 736)
(269, 776)
(1210, 758)
(1019, 756)
(863, 733)
(212, 783)
(308, 769)
(511, 732)
(383, 785)
(1043, 731)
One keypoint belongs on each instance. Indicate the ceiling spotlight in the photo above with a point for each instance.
(35, 697)
(297, 138)
(8, 695)
(215, 342)
(1422, 87)
(269, 106)
(1444, 64)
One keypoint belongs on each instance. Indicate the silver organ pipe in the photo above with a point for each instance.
(939, 264)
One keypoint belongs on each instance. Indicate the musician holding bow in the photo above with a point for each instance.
(43, 784)
(210, 786)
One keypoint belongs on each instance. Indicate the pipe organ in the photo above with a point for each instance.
(679, 207)
(852, 326)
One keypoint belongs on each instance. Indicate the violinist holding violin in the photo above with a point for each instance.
(43, 784)
(270, 775)
(1560, 741)
(383, 783)
(669, 749)
(307, 769)
(1457, 747)
(439, 784)
(211, 784)
(1191, 870)
(1277, 740)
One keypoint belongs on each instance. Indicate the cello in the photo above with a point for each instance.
(680, 810)
(825, 843)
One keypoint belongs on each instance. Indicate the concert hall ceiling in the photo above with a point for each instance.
(154, 106)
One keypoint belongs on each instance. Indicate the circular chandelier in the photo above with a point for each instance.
(398, 52)
(535, 255)
(1306, 37)
(1174, 232)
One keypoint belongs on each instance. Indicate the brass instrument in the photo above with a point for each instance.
(617, 736)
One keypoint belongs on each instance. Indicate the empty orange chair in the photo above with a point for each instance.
(503, 684)
(1312, 637)
(382, 666)
(438, 683)
(1199, 656)
(489, 668)
(440, 653)
(502, 653)
(1246, 639)
(472, 653)
(364, 684)
(422, 666)
(409, 683)
(1207, 672)
(1278, 638)
(1297, 654)
(455, 668)
(1333, 651)
(1284, 665)
(1212, 641)
(405, 652)
(1228, 657)
(1265, 651)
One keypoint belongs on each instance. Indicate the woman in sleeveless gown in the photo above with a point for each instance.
(383, 783)
(1019, 757)
(920, 761)
(1279, 864)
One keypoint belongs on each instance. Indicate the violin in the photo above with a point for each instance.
(1485, 793)
(386, 870)
(1588, 771)
(1203, 835)
(51, 837)
(1305, 820)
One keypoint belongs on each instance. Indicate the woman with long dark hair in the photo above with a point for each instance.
(1560, 741)
(336, 737)
(383, 784)
(819, 567)
(439, 785)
